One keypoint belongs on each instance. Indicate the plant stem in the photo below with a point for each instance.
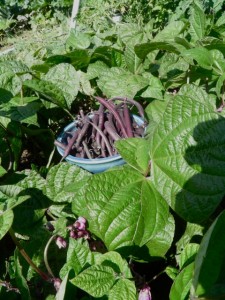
(26, 256)
(46, 256)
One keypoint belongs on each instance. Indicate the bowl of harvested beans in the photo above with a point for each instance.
(88, 141)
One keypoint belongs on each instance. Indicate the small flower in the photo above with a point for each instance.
(57, 283)
(82, 220)
(60, 242)
(145, 293)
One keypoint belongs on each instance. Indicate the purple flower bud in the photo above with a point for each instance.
(145, 293)
(79, 225)
(57, 283)
(73, 234)
(60, 242)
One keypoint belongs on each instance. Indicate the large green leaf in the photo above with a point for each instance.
(117, 81)
(96, 280)
(6, 220)
(122, 207)
(209, 275)
(171, 31)
(49, 90)
(66, 78)
(188, 158)
(59, 177)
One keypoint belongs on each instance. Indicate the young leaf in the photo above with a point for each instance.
(209, 262)
(182, 283)
(188, 160)
(6, 219)
(95, 280)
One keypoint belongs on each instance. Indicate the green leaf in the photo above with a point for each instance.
(130, 150)
(115, 261)
(62, 290)
(171, 272)
(78, 40)
(22, 191)
(142, 50)
(123, 289)
(79, 257)
(203, 57)
(133, 62)
(193, 234)
(6, 220)
(162, 241)
(66, 78)
(61, 176)
(49, 90)
(210, 262)
(95, 69)
(187, 158)
(169, 32)
(117, 81)
(197, 22)
(122, 207)
(96, 280)
(187, 255)
(10, 82)
(21, 112)
(17, 67)
(21, 282)
(197, 92)
(181, 287)
(2, 171)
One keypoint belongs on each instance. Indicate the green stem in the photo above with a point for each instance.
(26, 256)
(46, 256)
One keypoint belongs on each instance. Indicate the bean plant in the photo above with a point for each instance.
(151, 225)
